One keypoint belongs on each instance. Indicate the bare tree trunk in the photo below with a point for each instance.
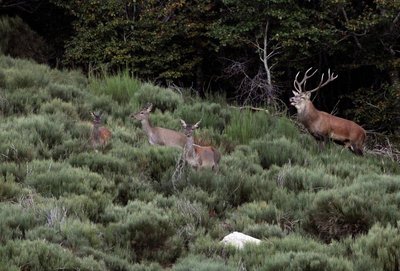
(200, 81)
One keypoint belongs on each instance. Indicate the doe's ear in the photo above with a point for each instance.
(197, 124)
(183, 123)
(149, 107)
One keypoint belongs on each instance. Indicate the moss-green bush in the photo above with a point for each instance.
(353, 210)
(143, 228)
(102, 163)
(121, 87)
(279, 152)
(246, 125)
(212, 115)
(57, 179)
(378, 250)
(16, 220)
(199, 263)
(161, 98)
(40, 255)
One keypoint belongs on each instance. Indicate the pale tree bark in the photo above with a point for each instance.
(257, 88)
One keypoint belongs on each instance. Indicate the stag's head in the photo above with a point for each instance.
(143, 113)
(188, 129)
(301, 95)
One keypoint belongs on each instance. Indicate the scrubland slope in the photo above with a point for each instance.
(65, 206)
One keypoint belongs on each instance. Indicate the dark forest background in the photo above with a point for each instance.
(249, 51)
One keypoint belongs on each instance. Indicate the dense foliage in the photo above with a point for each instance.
(65, 206)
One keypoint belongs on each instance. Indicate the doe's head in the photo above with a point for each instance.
(96, 117)
(143, 114)
(188, 129)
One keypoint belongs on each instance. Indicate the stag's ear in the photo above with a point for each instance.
(183, 123)
(308, 95)
(295, 93)
(197, 124)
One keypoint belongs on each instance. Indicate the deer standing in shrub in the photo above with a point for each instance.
(100, 135)
(159, 135)
(199, 156)
(322, 125)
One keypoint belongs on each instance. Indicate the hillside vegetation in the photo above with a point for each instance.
(64, 206)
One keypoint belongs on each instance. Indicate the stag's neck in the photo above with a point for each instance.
(308, 114)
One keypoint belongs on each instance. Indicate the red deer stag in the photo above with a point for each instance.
(100, 135)
(159, 135)
(322, 125)
(199, 156)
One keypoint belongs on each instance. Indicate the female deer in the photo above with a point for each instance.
(159, 135)
(199, 156)
(100, 135)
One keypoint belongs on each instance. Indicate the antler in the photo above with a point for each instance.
(298, 85)
(301, 86)
(330, 78)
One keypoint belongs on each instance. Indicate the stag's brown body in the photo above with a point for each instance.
(323, 125)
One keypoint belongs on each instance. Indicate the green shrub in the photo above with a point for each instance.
(298, 178)
(161, 98)
(264, 230)
(56, 179)
(258, 212)
(86, 207)
(101, 163)
(142, 227)
(121, 87)
(212, 115)
(13, 171)
(200, 263)
(312, 261)
(279, 152)
(114, 262)
(40, 255)
(23, 100)
(131, 188)
(18, 146)
(247, 125)
(58, 106)
(353, 210)
(65, 92)
(157, 164)
(10, 190)
(30, 137)
(378, 250)
(16, 220)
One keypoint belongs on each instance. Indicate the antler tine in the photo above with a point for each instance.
(331, 77)
(298, 85)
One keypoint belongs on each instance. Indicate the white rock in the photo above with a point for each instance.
(239, 240)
